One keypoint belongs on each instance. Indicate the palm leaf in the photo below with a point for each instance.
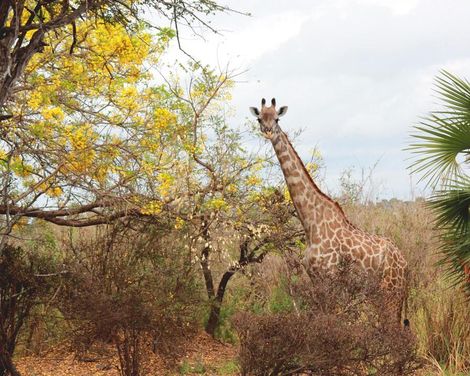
(438, 141)
(442, 136)
(452, 207)
(455, 92)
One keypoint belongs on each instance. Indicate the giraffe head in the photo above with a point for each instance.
(268, 117)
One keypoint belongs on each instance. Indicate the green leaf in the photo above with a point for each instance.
(441, 145)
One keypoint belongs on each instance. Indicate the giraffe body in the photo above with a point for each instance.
(331, 237)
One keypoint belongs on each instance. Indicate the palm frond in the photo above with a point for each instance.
(439, 140)
(452, 209)
(443, 135)
(455, 92)
(455, 256)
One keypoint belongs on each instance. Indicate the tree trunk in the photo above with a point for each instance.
(6, 365)
(214, 315)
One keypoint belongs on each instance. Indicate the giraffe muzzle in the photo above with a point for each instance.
(268, 133)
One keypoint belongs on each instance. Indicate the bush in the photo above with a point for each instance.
(132, 290)
(439, 312)
(334, 329)
(25, 279)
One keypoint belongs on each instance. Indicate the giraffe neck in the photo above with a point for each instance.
(311, 204)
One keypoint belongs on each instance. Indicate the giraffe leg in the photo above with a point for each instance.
(395, 287)
(390, 312)
(394, 295)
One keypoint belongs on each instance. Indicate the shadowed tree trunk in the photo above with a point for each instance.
(216, 298)
(20, 290)
(216, 305)
(6, 365)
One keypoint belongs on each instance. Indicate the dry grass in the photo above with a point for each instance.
(439, 313)
(201, 355)
(336, 330)
(442, 322)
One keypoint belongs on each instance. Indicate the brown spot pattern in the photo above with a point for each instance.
(330, 235)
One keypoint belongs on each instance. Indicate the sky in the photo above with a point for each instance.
(356, 75)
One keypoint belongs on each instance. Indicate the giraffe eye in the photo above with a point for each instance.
(259, 120)
(277, 120)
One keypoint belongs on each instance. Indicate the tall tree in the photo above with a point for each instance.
(94, 135)
(442, 150)
(25, 26)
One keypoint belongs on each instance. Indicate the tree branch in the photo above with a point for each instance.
(57, 216)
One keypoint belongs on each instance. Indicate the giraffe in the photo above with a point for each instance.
(330, 235)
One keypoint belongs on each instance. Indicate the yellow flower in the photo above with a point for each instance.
(163, 118)
(287, 194)
(50, 113)
(312, 167)
(54, 192)
(20, 168)
(253, 180)
(35, 100)
(179, 223)
(166, 183)
(152, 208)
(217, 203)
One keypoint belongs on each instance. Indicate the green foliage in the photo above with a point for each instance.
(184, 368)
(198, 367)
(442, 148)
(230, 367)
(445, 134)
(187, 368)
(453, 218)
(235, 298)
(224, 330)
(281, 301)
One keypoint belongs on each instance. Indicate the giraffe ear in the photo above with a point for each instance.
(282, 111)
(254, 111)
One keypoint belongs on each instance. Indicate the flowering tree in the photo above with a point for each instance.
(94, 138)
(26, 27)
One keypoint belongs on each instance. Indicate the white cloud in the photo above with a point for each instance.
(356, 74)
(265, 34)
(240, 45)
(398, 7)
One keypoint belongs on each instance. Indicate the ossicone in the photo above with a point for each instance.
(273, 102)
(263, 102)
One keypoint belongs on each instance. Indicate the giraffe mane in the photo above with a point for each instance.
(315, 186)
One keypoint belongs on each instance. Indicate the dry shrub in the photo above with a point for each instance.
(439, 313)
(26, 281)
(334, 329)
(132, 290)
(410, 226)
